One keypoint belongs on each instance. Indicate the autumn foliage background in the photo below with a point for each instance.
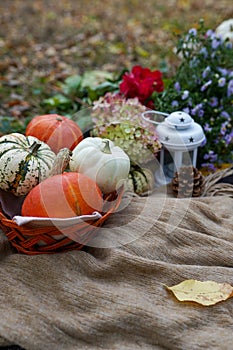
(43, 42)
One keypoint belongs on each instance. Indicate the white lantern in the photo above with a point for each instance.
(180, 137)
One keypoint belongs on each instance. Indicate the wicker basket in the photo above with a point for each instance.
(48, 240)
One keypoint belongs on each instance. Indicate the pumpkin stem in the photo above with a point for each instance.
(34, 147)
(106, 148)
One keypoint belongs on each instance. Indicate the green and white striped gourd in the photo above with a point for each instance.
(24, 162)
(140, 180)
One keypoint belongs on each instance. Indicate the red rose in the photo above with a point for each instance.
(141, 83)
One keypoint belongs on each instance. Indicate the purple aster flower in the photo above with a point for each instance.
(204, 142)
(201, 113)
(229, 138)
(177, 86)
(185, 95)
(206, 72)
(215, 43)
(196, 109)
(225, 115)
(211, 156)
(175, 103)
(223, 128)
(193, 111)
(230, 88)
(206, 156)
(207, 127)
(221, 82)
(190, 102)
(213, 102)
(186, 110)
(192, 31)
(206, 85)
(209, 33)
(209, 166)
(204, 52)
(223, 71)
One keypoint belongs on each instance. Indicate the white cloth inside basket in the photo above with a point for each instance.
(11, 206)
(46, 222)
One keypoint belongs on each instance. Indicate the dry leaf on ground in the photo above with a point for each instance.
(205, 293)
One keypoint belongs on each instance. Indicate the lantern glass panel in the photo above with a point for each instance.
(168, 166)
(187, 158)
(173, 160)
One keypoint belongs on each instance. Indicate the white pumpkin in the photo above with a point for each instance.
(108, 165)
(225, 29)
(24, 162)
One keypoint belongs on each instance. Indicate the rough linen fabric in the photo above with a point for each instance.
(114, 298)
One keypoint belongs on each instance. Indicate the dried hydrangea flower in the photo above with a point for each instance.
(120, 120)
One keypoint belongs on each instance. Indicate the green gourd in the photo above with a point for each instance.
(140, 180)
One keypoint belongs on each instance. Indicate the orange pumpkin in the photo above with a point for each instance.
(61, 196)
(55, 130)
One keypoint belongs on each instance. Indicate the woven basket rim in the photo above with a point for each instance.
(25, 238)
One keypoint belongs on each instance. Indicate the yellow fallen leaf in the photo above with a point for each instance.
(184, 4)
(205, 293)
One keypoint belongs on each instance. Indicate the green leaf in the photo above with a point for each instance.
(72, 84)
(58, 100)
(106, 86)
(95, 77)
(100, 90)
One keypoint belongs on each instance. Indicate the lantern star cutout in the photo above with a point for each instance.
(191, 139)
(166, 138)
(182, 120)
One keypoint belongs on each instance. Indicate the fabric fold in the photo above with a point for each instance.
(114, 298)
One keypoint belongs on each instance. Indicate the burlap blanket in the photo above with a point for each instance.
(114, 297)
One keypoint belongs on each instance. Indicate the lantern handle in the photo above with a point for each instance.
(161, 114)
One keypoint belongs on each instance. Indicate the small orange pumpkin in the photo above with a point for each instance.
(55, 130)
(61, 196)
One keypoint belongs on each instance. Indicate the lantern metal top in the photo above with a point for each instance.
(179, 120)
